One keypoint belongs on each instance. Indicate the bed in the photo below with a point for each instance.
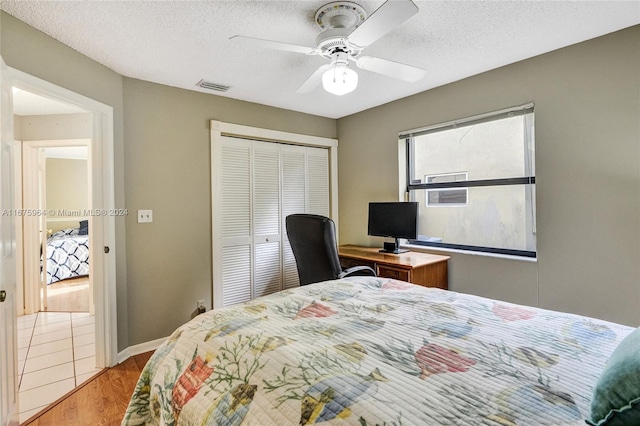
(374, 351)
(67, 255)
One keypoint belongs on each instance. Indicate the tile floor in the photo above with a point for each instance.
(56, 352)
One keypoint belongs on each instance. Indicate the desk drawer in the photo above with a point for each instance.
(346, 263)
(395, 273)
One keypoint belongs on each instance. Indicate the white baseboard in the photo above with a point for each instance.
(139, 349)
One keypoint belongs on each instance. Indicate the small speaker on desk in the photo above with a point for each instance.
(389, 247)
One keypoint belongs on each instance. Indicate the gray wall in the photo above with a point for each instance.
(587, 107)
(168, 170)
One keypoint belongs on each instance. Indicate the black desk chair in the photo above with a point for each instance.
(313, 241)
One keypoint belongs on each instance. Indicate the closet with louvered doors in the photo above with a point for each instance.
(260, 183)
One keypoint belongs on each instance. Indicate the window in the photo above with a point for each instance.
(490, 206)
(446, 197)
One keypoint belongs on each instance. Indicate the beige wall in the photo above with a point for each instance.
(587, 112)
(167, 166)
(52, 127)
(66, 189)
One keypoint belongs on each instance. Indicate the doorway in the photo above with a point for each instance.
(42, 151)
(55, 238)
(56, 182)
(66, 263)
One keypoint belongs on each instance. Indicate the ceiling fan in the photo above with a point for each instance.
(347, 32)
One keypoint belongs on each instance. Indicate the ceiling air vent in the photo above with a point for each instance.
(213, 86)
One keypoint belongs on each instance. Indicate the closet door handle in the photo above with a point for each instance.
(3, 296)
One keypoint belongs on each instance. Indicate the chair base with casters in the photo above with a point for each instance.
(313, 242)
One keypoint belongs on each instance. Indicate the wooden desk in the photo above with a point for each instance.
(429, 270)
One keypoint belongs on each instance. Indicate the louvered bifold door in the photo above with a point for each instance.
(266, 218)
(294, 196)
(236, 220)
(318, 181)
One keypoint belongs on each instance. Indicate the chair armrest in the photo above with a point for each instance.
(353, 269)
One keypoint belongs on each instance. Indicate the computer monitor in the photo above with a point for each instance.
(394, 220)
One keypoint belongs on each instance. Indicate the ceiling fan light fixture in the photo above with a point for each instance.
(340, 79)
(346, 33)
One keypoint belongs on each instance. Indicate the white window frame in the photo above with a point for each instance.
(407, 185)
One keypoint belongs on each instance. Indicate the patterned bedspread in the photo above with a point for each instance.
(67, 255)
(373, 351)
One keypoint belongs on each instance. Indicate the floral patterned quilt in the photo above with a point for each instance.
(374, 351)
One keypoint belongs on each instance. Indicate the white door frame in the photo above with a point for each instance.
(102, 233)
(8, 323)
(220, 129)
(17, 164)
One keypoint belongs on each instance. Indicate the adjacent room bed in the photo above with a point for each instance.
(375, 351)
(67, 255)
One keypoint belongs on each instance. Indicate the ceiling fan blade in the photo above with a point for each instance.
(313, 81)
(270, 44)
(391, 69)
(384, 19)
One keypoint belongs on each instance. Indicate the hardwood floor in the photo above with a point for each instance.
(101, 401)
(70, 295)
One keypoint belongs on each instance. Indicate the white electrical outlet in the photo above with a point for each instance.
(201, 308)
(145, 216)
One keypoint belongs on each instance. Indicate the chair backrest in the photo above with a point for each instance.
(313, 241)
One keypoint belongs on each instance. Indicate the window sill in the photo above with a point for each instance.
(425, 249)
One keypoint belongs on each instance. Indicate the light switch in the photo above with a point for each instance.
(145, 216)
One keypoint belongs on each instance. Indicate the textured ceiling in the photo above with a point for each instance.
(178, 43)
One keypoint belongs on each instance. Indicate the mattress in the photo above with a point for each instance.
(375, 351)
